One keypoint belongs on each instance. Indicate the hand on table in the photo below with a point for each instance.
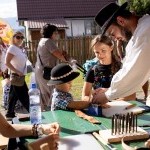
(50, 128)
(99, 98)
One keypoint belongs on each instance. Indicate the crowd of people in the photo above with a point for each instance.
(115, 76)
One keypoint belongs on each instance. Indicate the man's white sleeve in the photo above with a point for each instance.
(135, 70)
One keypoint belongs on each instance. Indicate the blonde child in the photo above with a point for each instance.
(62, 76)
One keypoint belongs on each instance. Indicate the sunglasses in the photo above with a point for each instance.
(19, 37)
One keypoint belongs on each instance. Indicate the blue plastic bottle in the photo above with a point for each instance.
(35, 107)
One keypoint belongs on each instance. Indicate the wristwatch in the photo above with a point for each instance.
(39, 130)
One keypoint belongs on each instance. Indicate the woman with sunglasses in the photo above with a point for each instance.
(16, 61)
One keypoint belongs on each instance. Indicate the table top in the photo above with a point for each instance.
(73, 125)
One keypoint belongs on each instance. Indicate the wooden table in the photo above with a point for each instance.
(73, 125)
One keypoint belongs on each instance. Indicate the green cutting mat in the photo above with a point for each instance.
(72, 125)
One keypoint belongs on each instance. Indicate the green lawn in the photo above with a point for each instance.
(76, 88)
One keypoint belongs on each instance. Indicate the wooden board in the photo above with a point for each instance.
(118, 107)
(140, 134)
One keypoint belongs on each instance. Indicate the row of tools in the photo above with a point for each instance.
(124, 123)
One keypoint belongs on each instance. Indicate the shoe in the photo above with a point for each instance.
(9, 117)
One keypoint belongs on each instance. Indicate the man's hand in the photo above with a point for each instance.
(99, 98)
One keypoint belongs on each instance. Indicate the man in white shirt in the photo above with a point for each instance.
(115, 20)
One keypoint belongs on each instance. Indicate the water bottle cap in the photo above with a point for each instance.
(33, 86)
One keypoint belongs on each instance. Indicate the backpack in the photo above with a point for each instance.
(90, 63)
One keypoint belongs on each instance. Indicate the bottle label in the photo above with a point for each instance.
(35, 114)
(34, 99)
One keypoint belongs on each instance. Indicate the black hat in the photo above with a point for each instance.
(62, 73)
(107, 14)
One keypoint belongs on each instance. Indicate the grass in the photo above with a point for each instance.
(77, 85)
(75, 91)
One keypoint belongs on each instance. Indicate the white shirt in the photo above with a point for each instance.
(136, 66)
(19, 59)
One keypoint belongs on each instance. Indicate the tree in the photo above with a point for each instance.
(140, 7)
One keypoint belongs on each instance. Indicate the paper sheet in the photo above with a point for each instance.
(118, 107)
(79, 142)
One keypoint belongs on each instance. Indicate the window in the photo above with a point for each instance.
(91, 28)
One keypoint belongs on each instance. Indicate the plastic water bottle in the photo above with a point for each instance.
(35, 107)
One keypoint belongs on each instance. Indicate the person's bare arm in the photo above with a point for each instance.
(59, 55)
(8, 59)
(13, 130)
(87, 90)
(20, 130)
(78, 104)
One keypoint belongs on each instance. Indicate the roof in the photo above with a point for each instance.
(60, 23)
(49, 9)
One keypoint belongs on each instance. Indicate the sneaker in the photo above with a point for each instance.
(9, 117)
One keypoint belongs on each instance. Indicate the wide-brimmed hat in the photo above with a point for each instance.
(62, 73)
(107, 14)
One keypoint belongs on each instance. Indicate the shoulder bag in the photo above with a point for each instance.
(46, 70)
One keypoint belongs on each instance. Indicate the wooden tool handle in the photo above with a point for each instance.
(91, 119)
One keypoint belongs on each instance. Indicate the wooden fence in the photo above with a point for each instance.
(77, 48)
